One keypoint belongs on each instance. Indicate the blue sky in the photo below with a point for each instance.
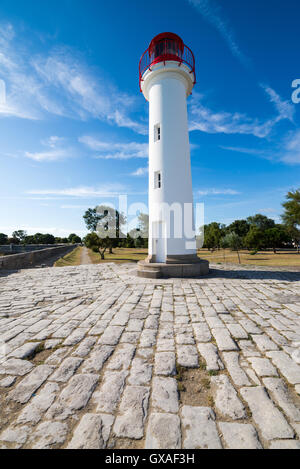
(73, 123)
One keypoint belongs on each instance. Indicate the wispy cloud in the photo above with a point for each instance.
(214, 191)
(287, 150)
(106, 190)
(87, 94)
(267, 210)
(140, 172)
(291, 151)
(59, 82)
(111, 150)
(56, 150)
(25, 96)
(206, 120)
(284, 108)
(248, 151)
(214, 15)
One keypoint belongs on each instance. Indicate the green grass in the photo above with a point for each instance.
(264, 258)
(73, 258)
(119, 255)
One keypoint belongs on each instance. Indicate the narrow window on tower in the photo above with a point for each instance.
(157, 180)
(157, 132)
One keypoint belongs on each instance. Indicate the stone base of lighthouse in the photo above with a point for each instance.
(187, 266)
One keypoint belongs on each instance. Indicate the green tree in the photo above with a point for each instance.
(3, 238)
(254, 238)
(129, 242)
(139, 242)
(92, 241)
(107, 222)
(29, 239)
(144, 225)
(224, 245)
(240, 227)
(234, 242)
(20, 235)
(291, 215)
(71, 236)
(13, 241)
(40, 238)
(261, 222)
(212, 235)
(276, 237)
(74, 238)
(48, 239)
(91, 218)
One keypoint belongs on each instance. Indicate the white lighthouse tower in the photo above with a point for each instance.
(167, 77)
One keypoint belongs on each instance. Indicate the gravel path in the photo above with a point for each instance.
(85, 258)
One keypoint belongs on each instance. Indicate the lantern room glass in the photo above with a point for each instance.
(166, 47)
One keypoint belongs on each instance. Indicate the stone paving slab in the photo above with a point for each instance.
(94, 357)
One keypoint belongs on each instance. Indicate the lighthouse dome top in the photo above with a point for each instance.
(164, 48)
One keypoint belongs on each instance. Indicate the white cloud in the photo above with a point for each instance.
(109, 150)
(212, 13)
(106, 190)
(60, 83)
(53, 141)
(55, 150)
(291, 151)
(266, 210)
(204, 119)
(286, 151)
(25, 95)
(140, 172)
(53, 155)
(214, 191)
(249, 151)
(87, 94)
(285, 109)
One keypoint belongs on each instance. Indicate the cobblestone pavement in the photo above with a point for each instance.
(94, 357)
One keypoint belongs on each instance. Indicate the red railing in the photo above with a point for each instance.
(163, 51)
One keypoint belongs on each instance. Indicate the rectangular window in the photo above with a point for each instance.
(157, 180)
(157, 132)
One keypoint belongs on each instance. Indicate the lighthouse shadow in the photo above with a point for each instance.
(253, 274)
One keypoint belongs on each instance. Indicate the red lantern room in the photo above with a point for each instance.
(166, 47)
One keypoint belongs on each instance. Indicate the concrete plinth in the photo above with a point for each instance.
(173, 270)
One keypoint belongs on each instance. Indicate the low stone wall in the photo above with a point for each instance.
(30, 259)
(20, 248)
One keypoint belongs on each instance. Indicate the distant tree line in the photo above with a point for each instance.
(254, 233)
(21, 237)
(258, 232)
